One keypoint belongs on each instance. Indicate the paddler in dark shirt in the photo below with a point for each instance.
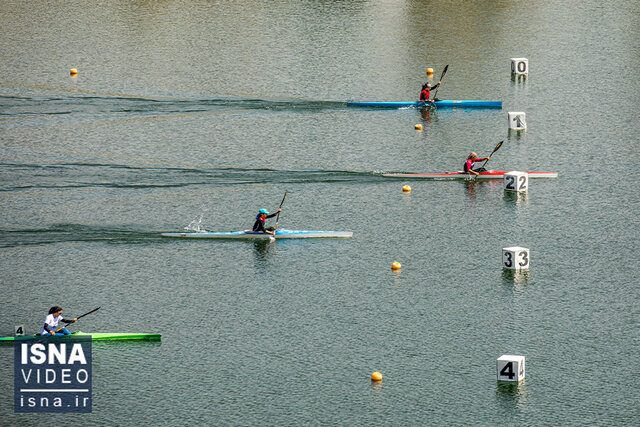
(258, 226)
(426, 92)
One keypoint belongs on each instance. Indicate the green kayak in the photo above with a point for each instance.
(94, 337)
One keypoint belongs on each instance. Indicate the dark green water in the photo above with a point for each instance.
(211, 110)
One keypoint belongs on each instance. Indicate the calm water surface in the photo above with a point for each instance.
(208, 111)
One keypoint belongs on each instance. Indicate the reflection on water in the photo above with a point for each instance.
(425, 114)
(517, 198)
(510, 394)
(516, 278)
(518, 78)
(262, 248)
(471, 189)
(119, 344)
(376, 385)
(517, 135)
(473, 185)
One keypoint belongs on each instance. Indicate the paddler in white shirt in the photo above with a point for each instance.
(52, 320)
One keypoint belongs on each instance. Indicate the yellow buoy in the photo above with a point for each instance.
(418, 126)
(376, 376)
(406, 189)
(73, 71)
(396, 266)
(429, 71)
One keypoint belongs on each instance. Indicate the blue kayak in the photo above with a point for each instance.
(437, 104)
(248, 234)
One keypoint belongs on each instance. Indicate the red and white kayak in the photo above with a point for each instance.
(491, 174)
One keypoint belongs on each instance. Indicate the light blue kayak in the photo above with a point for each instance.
(422, 104)
(248, 234)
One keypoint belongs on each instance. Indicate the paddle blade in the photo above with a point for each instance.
(284, 197)
(446, 67)
(497, 147)
(494, 150)
(278, 216)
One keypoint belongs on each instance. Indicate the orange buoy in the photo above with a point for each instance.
(376, 376)
(429, 71)
(406, 189)
(418, 126)
(396, 266)
(73, 71)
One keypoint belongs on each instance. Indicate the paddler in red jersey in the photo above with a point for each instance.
(426, 92)
(471, 159)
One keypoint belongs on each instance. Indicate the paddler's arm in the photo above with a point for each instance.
(274, 214)
(477, 161)
(46, 328)
(432, 88)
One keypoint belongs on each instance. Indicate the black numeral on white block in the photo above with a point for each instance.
(517, 120)
(510, 368)
(519, 65)
(515, 258)
(516, 181)
(507, 371)
(19, 331)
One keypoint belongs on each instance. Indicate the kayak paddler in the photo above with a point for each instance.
(51, 322)
(471, 159)
(263, 214)
(426, 92)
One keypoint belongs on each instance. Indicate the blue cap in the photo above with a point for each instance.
(264, 211)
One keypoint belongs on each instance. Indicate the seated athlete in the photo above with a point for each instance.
(426, 92)
(471, 159)
(258, 226)
(52, 320)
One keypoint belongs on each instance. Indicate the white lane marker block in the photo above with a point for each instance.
(19, 331)
(517, 120)
(510, 368)
(515, 258)
(519, 65)
(516, 181)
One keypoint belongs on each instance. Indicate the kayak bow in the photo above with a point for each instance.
(461, 175)
(108, 336)
(249, 235)
(437, 104)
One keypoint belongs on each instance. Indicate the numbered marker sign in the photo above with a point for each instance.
(519, 65)
(19, 331)
(515, 258)
(517, 120)
(510, 368)
(516, 181)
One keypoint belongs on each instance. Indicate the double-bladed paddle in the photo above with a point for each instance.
(446, 67)
(95, 309)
